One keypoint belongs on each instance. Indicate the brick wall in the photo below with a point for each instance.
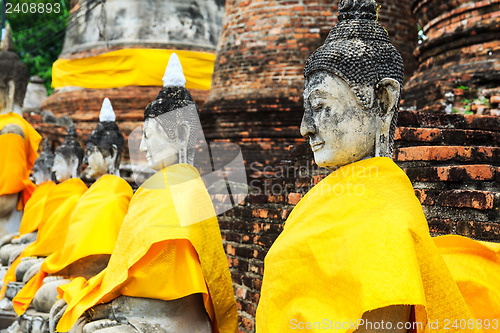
(462, 50)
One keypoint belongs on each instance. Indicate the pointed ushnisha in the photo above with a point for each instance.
(174, 75)
(107, 112)
(7, 44)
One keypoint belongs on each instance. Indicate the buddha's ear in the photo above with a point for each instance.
(114, 151)
(183, 133)
(387, 91)
(10, 95)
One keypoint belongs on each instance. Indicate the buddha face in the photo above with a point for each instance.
(6, 96)
(41, 174)
(339, 130)
(97, 164)
(64, 169)
(161, 150)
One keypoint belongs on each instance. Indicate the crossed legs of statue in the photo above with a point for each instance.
(139, 315)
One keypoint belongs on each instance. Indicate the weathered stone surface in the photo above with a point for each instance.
(131, 22)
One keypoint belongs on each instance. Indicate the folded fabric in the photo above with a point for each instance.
(33, 211)
(17, 157)
(92, 230)
(356, 242)
(169, 247)
(53, 227)
(475, 267)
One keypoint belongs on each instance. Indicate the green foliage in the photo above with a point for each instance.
(462, 87)
(38, 37)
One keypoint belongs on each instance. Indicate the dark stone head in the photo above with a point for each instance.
(43, 164)
(11, 68)
(71, 147)
(358, 48)
(172, 106)
(105, 136)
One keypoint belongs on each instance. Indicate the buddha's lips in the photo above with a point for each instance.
(315, 146)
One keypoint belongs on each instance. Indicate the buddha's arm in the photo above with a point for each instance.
(8, 203)
(392, 317)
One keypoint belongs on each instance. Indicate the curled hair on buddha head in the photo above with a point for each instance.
(71, 147)
(11, 68)
(45, 160)
(174, 105)
(106, 134)
(358, 50)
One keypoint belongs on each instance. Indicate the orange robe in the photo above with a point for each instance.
(169, 247)
(52, 229)
(17, 157)
(33, 211)
(356, 242)
(475, 267)
(93, 230)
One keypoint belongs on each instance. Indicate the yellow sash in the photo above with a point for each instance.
(93, 229)
(33, 211)
(475, 266)
(356, 242)
(170, 231)
(17, 157)
(57, 212)
(132, 67)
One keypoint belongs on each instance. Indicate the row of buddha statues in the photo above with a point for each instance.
(107, 259)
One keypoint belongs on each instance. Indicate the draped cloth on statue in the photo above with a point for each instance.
(52, 229)
(356, 242)
(475, 267)
(93, 229)
(33, 211)
(17, 157)
(169, 247)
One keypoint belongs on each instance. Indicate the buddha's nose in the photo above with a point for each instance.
(142, 146)
(307, 127)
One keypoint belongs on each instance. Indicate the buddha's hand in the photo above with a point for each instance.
(33, 270)
(25, 239)
(56, 312)
(108, 326)
(8, 238)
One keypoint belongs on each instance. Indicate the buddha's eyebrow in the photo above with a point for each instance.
(317, 93)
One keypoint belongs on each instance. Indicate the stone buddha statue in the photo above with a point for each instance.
(93, 227)
(143, 288)
(356, 249)
(104, 145)
(11, 245)
(68, 157)
(18, 139)
(42, 170)
(66, 168)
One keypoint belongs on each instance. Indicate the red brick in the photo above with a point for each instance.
(418, 134)
(467, 199)
(294, 198)
(426, 197)
(451, 173)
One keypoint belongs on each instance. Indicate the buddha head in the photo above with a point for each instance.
(352, 89)
(171, 123)
(68, 157)
(104, 146)
(42, 170)
(14, 76)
